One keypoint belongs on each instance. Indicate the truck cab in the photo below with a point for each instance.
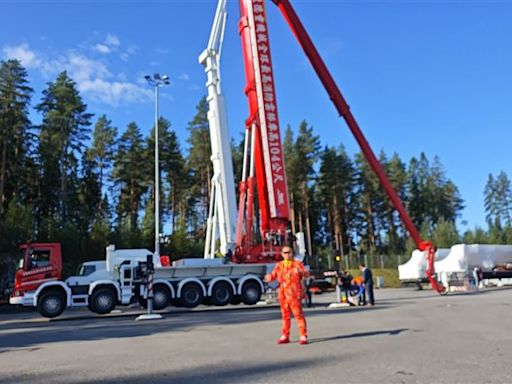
(38, 263)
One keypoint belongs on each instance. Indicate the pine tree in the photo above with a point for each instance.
(504, 197)
(174, 173)
(15, 137)
(61, 140)
(306, 150)
(104, 139)
(199, 158)
(370, 203)
(335, 190)
(397, 175)
(292, 177)
(130, 179)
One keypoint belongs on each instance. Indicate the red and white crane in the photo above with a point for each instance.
(263, 166)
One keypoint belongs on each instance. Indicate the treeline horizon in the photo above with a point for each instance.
(79, 180)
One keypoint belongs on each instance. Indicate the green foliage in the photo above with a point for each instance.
(130, 177)
(62, 137)
(104, 139)
(56, 186)
(199, 163)
(445, 234)
(390, 276)
(184, 245)
(16, 226)
(335, 193)
(498, 200)
(15, 136)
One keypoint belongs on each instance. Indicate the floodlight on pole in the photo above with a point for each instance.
(157, 81)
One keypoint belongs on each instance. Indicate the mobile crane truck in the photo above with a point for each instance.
(263, 169)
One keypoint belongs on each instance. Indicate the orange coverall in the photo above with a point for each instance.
(290, 293)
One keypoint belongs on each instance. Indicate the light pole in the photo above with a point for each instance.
(157, 81)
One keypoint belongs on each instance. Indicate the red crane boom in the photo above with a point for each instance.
(255, 45)
(264, 154)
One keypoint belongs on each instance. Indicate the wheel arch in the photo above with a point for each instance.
(190, 280)
(214, 281)
(53, 285)
(166, 284)
(246, 278)
(105, 284)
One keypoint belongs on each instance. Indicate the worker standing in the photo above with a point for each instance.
(367, 284)
(290, 273)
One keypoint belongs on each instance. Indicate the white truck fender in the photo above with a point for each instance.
(245, 278)
(188, 280)
(212, 282)
(112, 283)
(60, 284)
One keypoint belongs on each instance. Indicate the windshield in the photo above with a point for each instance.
(85, 270)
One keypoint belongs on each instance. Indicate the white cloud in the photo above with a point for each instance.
(115, 92)
(184, 77)
(110, 44)
(112, 40)
(81, 68)
(93, 77)
(102, 48)
(128, 52)
(94, 80)
(24, 54)
(31, 59)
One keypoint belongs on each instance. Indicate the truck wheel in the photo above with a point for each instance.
(161, 298)
(191, 295)
(251, 292)
(102, 301)
(51, 304)
(222, 293)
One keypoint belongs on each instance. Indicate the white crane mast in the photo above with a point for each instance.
(223, 211)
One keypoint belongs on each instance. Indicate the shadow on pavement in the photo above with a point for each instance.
(391, 332)
(16, 335)
(211, 374)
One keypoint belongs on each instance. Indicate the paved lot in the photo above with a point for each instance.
(408, 337)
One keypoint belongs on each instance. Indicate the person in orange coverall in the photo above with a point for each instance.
(289, 273)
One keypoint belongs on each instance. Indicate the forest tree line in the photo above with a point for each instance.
(77, 179)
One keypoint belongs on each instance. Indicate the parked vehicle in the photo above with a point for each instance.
(101, 285)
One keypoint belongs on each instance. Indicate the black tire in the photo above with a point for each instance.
(161, 298)
(251, 292)
(222, 293)
(176, 303)
(236, 300)
(102, 301)
(191, 295)
(51, 304)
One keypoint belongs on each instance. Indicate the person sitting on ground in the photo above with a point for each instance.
(345, 282)
(358, 288)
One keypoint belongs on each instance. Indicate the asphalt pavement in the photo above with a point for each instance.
(408, 337)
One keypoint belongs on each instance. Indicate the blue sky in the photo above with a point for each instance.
(432, 76)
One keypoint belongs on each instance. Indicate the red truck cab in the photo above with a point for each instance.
(39, 263)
